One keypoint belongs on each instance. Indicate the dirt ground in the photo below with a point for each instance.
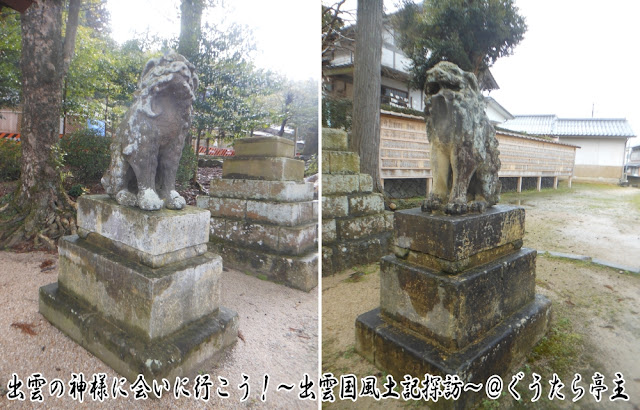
(278, 327)
(596, 310)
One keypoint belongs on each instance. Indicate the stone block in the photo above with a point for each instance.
(218, 227)
(263, 168)
(455, 238)
(264, 147)
(340, 184)
(335, 206)
(150, 302)
(334, 140)
(281, 213)
(184, 353)
(345, 254)
(460, 265)
(362, 226)
(365, 183)
(288, 240)
(456, 310)
(156, 238)
(226, 207)
(399, 352)
(296, 240)
(299, 272)
(366, 204)
(279, 191)
(340, 162)
(327, 261)
(328, 231)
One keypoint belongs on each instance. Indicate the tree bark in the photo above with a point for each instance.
(365, 131)
(190, 22)
(43, 211)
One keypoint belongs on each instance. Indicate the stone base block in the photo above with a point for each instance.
(339, 256)
(299, 272)
(361, 226)
(276, 213)
(150, 302)
(154, 238)
(286, 240)
(346, 184)
(279, 191)
(456, 238)
(263, 147)
(400, 351)
(192, 349)
(334, 140)
(263, 168)
(340, 162)
(456, 310)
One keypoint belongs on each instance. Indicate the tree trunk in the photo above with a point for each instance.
(43, 211)
(190, 21)
(365, 131)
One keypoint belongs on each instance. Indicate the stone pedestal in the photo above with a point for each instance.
(456, 297)
(263, 216)
(139, 290)
(355, 227)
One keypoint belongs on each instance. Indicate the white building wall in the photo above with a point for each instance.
(388, 57)
(600, 152)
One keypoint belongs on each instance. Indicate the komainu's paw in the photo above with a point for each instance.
(432, 203)
(477, 206)
(126, 198)
(149, 200)
(456, 208)
(175, 201)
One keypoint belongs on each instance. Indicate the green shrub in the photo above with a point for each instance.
(402, 110)
(311, 166)
(77, 190)
(188, 165)
(336, 112)
(86, 154)
(10, 154)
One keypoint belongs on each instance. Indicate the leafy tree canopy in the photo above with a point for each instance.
(470, 33)
(10, 49)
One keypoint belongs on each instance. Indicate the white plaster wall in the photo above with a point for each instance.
(601, 152)
(387, 57)
(417, 100)
(494, 116)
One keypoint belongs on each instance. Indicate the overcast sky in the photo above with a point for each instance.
(287, 32)
(577, 55)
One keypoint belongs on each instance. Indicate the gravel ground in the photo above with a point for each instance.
(278, 325)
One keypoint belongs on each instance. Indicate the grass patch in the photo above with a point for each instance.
(557, 351)
(408, 203)
(360, 272)
(635, 201)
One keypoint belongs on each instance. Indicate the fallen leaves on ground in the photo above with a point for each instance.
(25, 327)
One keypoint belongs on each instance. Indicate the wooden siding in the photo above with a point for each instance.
(404, 148)
(405, 152)
(529, 157)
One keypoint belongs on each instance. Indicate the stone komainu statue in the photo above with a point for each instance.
(147, 146)
(464, 149)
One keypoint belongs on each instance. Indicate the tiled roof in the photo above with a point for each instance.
(596, 127)
(577, 127)
(531, 124)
